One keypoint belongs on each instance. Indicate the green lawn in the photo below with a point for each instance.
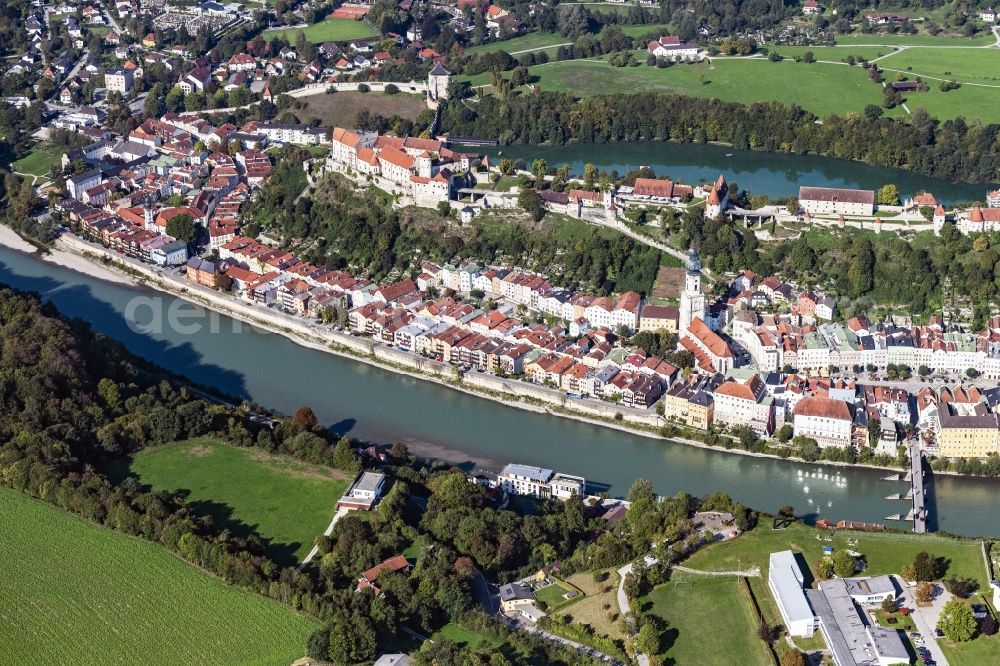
(709, 621)
(982, 650)
(820, 88)
(39, 160)
(76, 593)
(552, 595)
(885, 552)
(285, 502)
(459, 635)
(330, 30)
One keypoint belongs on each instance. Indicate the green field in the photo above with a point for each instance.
(833, 53)
(330, 30)
(75, 593)
(39, 160)
(962, 65)
(530, 42)
(285, 502)
(822, 89)
(886, 553)
(710, 621)
(915, 40)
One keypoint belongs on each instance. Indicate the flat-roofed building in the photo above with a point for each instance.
(364, 492)
(850, 637)
(784, 579)
(540, 482)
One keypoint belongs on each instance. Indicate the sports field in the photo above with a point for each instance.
(709, 620)
(330, 30)
(39, 160)
(76, 593)
(285, 502)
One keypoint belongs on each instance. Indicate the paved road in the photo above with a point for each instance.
(525, 625)
(624, 606)
(925, 617)
(341, 512)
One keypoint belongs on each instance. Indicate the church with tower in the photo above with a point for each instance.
(692, 300)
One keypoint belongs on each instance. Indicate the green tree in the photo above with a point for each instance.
(926, 567)
(529, 200)
(889, 605)
(844, 564)
(793, 658)
(344, 456)
(888, 195)
(649, 640)
(957, 621)
(182, 227)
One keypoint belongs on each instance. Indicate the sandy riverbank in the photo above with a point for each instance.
(62, 256)
(10, 238)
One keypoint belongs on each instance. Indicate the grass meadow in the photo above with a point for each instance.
(76, 593)
(284, 501)
(330, 30)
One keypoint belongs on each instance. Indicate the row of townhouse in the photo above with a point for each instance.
(777, 341)
(534, 292)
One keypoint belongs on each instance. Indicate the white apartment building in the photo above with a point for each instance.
(826, 420)
(540, 482)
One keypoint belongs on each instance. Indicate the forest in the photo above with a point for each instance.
(959, 149)
(71, 399)
(363, 232)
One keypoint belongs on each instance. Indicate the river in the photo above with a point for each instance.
(774, 174)
(374, 404)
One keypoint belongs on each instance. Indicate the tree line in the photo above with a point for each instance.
(957, 149)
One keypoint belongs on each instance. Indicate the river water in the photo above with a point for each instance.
(370, 403)
(774, 174)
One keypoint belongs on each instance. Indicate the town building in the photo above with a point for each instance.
(970, 436)
(834, 201)
(853, 639)
(118, 80)
(826, 420)
(540, 482)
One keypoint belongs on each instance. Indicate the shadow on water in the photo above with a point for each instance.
(930, 500)
(81, 302)
(342, 427)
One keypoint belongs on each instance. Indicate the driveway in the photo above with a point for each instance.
(624, 607)
(926, 617)
(523, 624)
(341, 512)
